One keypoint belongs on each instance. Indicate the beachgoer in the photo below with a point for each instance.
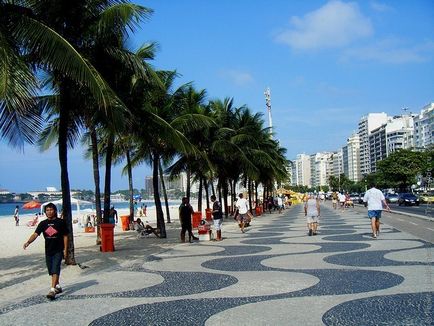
(375, 201)
(270, 204)
(145, 229)
(217, 216)
(185, 212)
(113, 215)
(144, 210)
(56, 243)
(279, 203)
(242, 211)
(341, 197)
(17, 215)
(335, 199)
(312, 213)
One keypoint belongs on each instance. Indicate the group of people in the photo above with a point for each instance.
(374, 200)
(343, 199)
(56, 232)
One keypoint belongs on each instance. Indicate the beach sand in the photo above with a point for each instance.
(23, 272)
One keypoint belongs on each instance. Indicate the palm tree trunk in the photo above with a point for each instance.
(158, 208)
(206, 192)
(249, 189)
(188, 184)
(225, 197)
(256, 193)
(130, 185)
(95, 164)
(199, 199)
(64, 178)
(108, 176)
(163, 185)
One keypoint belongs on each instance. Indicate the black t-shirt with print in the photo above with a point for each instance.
(53, 231)
(217, 210)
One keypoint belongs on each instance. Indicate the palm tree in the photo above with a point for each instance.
(73, 31)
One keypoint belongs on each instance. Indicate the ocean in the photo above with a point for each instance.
(7, 209)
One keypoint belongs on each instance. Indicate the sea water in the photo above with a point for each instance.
(7, 209)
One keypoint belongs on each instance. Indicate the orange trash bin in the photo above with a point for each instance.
(125, 219)
(197, 217)
(208, 214)
(107, 237)
(258, 211)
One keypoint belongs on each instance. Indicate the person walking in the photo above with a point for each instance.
(185, 212)
(56, 244)
(217, 216)
(335, 199)
(312, 212)
(242, 211)
(375, 201)
(113, 215)
(17, 215)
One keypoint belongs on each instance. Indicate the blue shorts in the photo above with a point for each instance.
(375, 213)
(53, 263)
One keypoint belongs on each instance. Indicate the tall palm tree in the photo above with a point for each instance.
(77, 27)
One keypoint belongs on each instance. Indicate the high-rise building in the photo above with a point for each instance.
(320, 163)
(367, 124)
(353, 154)
(399, 133)
(424, 128)
(301, 171)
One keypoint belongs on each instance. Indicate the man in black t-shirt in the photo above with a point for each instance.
(217, 216)
(56, 243)
(185, 212)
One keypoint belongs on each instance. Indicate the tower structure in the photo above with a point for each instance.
(267, 94)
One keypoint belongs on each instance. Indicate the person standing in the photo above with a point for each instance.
(375, 201)
(242, 211)
(17, 215)
(113, 215)
(335, 199)
(217, 216)
(185, 212)
(312, 212)
(56, 243)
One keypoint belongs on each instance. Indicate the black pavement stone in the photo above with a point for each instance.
(398, 309)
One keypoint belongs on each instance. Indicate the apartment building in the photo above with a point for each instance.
(367, 124)
(424, 127)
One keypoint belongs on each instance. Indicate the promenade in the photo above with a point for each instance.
(274, 274)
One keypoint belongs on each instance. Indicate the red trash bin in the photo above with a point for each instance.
(107, 237)
(208, 214)
(197, 217)
(125, 219)
(258, 210)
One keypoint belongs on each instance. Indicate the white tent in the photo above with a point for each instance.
(74, 201)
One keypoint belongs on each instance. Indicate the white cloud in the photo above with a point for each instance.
(392, 51)
(336, 24)
(380, 7)
(239, 78)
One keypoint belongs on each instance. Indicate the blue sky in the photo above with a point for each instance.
(327, 63)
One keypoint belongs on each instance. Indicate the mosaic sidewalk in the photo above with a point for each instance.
(274, 274)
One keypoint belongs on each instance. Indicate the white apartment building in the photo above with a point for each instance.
(353, 156)
(320, 163)
(367, 124)
(424, 127)
(337, 163)
(399, 133)
(301, 171)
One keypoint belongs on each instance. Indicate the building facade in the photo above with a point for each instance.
(424, 128)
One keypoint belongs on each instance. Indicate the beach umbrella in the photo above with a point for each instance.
(32, 205)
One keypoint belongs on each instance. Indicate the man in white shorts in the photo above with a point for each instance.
(312, 213)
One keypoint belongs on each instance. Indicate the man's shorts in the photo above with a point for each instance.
(53, 263)
(374, 213)
(241, 217)
(218, 224)
(312, 219)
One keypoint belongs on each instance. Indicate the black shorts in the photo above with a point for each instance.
(53, 263)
